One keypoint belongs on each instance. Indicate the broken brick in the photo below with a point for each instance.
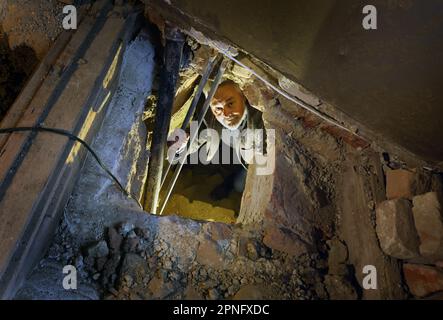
(423, 280)
(400, 184)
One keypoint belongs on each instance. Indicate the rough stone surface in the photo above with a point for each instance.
(428, 218)
(46, 284)
(253, 292)
(115, 239)
(133, 266)
(219, 231)
(395, 229)
(160, 287)
(209, 253)
(99, 250)
(213, 294)
(192, 294)
(339, 288)
(285, 241)
(300, 185)
(423, 280)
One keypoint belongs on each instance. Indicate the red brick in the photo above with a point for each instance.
(400, 184)
(423, 280)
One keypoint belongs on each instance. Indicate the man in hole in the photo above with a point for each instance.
(230, 115)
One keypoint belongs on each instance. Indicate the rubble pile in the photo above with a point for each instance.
(224, 263)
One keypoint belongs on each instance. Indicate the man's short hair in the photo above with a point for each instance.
(229, 82)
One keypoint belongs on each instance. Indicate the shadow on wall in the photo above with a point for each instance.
(16, 66)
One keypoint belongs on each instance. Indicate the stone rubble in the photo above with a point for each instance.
(400, 183)
(155, 269)
(142, 273)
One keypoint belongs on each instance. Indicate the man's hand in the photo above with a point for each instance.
(176, 143)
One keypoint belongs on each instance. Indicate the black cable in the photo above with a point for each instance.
(73, 137)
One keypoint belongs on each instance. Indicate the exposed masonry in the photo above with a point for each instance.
(180, 246)
(300, 232)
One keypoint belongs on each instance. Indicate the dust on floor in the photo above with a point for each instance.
(192, 199)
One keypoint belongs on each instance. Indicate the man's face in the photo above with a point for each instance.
(228, 105)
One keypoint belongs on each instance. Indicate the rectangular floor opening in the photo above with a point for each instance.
(209, 192)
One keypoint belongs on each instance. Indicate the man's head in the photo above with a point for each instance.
(229, 104)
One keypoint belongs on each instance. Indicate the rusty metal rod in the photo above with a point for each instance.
(194, 135)
(195, 100)
(168, 80)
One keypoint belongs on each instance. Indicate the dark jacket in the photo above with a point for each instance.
(253, 121)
